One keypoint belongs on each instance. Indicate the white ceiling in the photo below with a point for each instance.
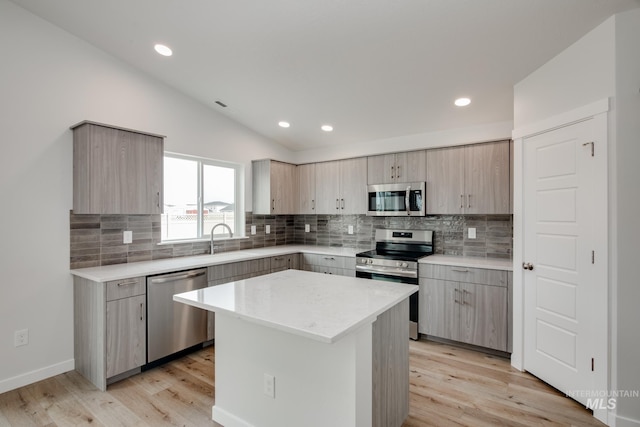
(372, 68)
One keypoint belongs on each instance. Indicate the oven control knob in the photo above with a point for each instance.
(370, 261)
(404, 264)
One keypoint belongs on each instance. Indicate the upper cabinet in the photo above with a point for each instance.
(306, 188)
(398, 167)
(116, 170)
(473, 179)
(341, 187)
(274, 187)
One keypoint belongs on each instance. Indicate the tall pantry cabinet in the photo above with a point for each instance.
(116, 170)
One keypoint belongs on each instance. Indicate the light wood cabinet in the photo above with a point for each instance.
(469, 305)
(306, 188)
(116, 171)
(329, 264)
(398, 167)
(109, 328)
(473, 179)
(341, 187)
(274, 187)
(285, 262)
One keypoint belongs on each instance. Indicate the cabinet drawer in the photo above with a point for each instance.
(125, 288)
(481, 276)
(329, 261)
(241, 268)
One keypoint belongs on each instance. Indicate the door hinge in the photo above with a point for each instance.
(593, 257)
(592, 364)
(592, 146)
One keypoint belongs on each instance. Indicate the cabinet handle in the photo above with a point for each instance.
(456, 291)
(337, 203)
(129, 283)
(469, 200)
(460, 270)
(461, 201)
(329, 258)
(464, 296)
(273, 204)
(342, 203)
(392, 174)
(313, 204)
(158, 195)
(141, 311)
(398, 172)
(278, 259)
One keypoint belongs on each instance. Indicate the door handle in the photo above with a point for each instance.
(141, 311)
(464, 296)
(342, 203)
(392, 175)
(398, 172)
(456, 292)
(461, 201)
(469, 200)
(313, 204)
(527, 266)
(273, 204)
(338, 204)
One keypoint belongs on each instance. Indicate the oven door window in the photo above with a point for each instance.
(395, 201)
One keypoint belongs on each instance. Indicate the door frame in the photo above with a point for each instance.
(597, 111)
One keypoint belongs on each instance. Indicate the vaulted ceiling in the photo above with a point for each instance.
(373, 69)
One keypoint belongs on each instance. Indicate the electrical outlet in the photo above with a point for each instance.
(307, 228)
(350, 229)
(253, 230)
(127, 237)
(21, 337)
(267, 229)
(472, 233)
(269, 386)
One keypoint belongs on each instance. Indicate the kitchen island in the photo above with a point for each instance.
(301, 348)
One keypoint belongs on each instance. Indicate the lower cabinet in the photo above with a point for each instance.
(285, 262)
(110, 327)
(329, 264)
(468, 305)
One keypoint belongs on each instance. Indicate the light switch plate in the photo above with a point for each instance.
(253, 230)
(269, 386)
(127, 237)
(350, 229)
(307, 228)
(267, 229)
(472, 233)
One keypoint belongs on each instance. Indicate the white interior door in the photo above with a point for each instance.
(558, 213)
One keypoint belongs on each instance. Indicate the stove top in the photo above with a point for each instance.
(401, 245)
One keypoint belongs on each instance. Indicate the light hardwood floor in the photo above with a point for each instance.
(450, 386)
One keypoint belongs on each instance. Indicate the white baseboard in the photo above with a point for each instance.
(225, 418)
(626, 422)
(37, 375)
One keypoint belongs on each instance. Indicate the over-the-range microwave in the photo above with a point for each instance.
(405, 199)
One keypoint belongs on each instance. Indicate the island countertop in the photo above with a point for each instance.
(314, 305)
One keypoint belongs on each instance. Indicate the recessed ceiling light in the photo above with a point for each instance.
(326, 128)
(284, 124)
(462, 102)
(163, 50)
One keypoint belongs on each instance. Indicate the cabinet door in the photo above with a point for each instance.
(439, 308)
(483, 319)
(381, 169)
(411, 166)
(126, 334)
(487, 178)
(445, 181)
(353, 186)
(306, 189)
(327, 188)
(283, 188)
(142, 156)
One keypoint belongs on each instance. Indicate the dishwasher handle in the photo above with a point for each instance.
(178, 276)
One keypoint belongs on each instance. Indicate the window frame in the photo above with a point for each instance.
(239, 215)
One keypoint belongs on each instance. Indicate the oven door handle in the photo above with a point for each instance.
(407, 200)
(389, 271)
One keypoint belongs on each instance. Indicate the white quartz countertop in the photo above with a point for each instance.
(468, 261)
(314, 305)
(148, 268)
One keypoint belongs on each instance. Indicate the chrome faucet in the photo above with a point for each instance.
(216, 226)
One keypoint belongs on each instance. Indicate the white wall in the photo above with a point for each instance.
(627, 212)
(605, 64)
(50, 80)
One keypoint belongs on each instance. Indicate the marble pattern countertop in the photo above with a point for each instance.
(146, 268)
(314, 305)
(468, 261)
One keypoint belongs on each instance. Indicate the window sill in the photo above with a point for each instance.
(217, 239)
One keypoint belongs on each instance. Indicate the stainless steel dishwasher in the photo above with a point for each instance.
(173, 326)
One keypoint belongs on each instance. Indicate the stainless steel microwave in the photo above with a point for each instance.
(406, 199)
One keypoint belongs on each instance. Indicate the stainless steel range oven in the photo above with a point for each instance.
(395, 259)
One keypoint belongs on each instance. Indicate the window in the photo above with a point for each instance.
(200, 193)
